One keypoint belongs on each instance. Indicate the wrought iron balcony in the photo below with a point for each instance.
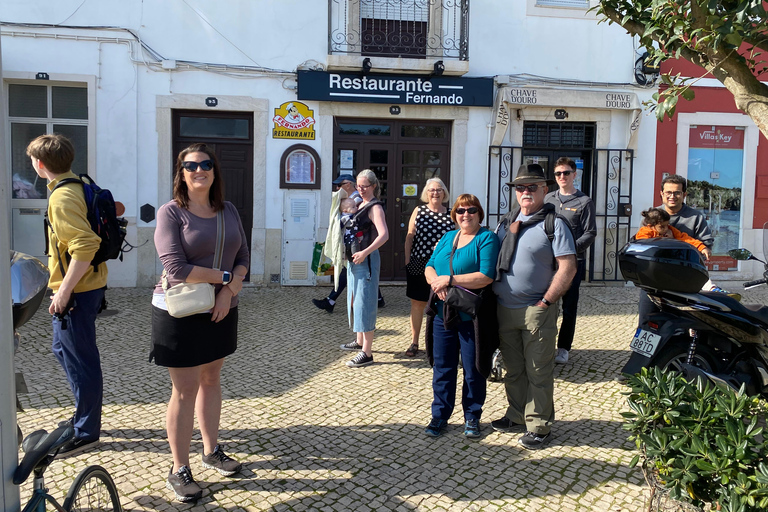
(415, 29)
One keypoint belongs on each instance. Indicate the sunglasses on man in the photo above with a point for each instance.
(205, 165)
(524, 188)
(563, 173)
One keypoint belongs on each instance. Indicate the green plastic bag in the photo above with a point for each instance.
(317, 255)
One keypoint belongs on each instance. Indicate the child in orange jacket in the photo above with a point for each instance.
(656, 225)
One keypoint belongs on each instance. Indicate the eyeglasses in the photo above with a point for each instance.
(363, 187)
(563, 173)
(471, 210)
(435, 190)
(205, 165)
(676, 193)
(524, 188)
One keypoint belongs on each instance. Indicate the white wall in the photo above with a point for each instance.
(283, 35)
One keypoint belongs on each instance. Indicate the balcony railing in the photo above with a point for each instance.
(416, 29)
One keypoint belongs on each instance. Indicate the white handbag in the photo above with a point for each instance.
(186, 299)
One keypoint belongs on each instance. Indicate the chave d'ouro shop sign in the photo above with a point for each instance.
(395, 89)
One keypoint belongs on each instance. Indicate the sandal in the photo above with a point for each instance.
(412, 350)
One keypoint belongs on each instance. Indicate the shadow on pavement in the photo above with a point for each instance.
(384, 464)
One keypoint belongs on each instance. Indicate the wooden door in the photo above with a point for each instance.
(380, 159)
(230, 135)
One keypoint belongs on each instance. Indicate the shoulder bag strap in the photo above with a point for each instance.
(219, 239)
(453, 250)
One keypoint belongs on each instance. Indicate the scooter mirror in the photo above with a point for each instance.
(740, 254)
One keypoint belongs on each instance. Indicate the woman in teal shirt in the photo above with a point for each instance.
(474, 268)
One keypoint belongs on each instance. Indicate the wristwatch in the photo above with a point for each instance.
(226, 278)
(545, 301)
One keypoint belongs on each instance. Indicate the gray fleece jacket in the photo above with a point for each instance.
(579, 210)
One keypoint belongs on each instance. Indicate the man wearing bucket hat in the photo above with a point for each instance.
(345, 182)
(535, 268)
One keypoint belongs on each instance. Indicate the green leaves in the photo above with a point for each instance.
(705, 442)
(714, 34)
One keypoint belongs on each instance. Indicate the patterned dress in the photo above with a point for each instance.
(430, 228)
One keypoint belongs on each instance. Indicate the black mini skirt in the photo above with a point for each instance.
(193, 340)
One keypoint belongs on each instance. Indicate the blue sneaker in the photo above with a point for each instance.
(472, 428)
(435, 427)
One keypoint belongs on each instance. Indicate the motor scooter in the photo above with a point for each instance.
(29, 282)
(696, 332)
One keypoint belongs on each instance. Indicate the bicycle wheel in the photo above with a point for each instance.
(93, 489)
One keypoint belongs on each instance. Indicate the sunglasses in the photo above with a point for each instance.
(528, 188)
(205, 165)
(563, 173)
(471, 210)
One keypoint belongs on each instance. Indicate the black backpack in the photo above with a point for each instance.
(102, 215)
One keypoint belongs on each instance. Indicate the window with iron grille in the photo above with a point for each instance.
(415, 29)
(563, 3)
(394, 28)
(558, 135)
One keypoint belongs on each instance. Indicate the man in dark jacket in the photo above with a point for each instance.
(579, 210)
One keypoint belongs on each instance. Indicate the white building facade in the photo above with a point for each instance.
(466, 90)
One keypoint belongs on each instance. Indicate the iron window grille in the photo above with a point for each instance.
(416, 29)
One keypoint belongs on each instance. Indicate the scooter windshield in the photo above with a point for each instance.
(28, 277)
(765, 241)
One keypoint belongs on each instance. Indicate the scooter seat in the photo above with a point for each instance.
(757, 311)
(37, 447)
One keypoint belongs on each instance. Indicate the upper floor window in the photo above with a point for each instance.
(563, 3)
(394, 28)
(35, 110)
(400, 28)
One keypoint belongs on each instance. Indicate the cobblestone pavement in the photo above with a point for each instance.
(316, 435)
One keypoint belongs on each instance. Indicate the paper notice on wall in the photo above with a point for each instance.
(346, 159)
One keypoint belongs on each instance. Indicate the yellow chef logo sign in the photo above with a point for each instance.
(293, 120)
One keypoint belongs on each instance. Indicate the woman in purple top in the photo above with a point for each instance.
(193, 348)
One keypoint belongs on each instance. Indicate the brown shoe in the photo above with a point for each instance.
(412, 350)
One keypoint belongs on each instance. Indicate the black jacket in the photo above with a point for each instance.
(486, 330)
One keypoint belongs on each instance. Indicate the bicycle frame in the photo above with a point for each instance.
(39, 496)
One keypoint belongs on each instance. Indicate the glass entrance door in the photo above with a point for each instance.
(403, 155)
(715, 174)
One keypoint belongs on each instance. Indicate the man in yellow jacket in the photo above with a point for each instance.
(78, 286)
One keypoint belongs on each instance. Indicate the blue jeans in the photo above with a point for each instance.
(343, 284)
(74, 345)
(445, 348)
(570, 304)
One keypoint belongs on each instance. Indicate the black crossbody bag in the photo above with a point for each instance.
(458, 297)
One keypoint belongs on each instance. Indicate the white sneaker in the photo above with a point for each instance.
(562, 356)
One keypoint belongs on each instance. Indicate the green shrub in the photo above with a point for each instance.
(704, 443)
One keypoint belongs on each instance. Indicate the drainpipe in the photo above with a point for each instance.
(9, 500)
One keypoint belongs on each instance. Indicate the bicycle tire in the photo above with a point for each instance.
(93, 489)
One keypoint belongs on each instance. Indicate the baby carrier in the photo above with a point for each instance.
(360, 230)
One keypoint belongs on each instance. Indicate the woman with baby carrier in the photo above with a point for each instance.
(364, 267)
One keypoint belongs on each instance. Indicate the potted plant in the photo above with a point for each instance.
(703, 444)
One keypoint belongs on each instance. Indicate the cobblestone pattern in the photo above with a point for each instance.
(316, 435)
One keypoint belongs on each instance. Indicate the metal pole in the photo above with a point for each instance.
(9, 501)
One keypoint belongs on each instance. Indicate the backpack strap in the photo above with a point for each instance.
(48, 225)
(549, 225)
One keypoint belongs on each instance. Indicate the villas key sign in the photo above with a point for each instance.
(395, 89)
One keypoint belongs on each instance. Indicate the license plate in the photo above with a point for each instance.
(645, 342)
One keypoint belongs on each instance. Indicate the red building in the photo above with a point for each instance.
(721, 152)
